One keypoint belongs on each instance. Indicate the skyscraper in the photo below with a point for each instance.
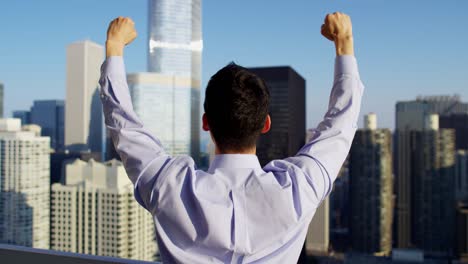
(166, 105)
(83, 112)
(318, 234)
(411, 116)
(167, 98)
(94, 212)
(459, 122)
(23, 115)
(49, 115)
(175, 37)
(461, 176)
(432, 189)
(287, 111)
(371, 189)
(24, 186)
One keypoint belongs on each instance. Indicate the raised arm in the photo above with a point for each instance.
(141, 153)
(322, 157)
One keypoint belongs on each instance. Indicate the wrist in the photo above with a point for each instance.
(344, 46)
(114, 48)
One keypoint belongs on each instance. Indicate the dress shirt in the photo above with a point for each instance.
(237, 211)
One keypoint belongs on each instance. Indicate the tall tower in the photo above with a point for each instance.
(371, 189)
(432, 189)
(24, 185)
(83, 111)
(49, 115)
(167, 97)
(287, 111)
(94, 212)
(411, 116)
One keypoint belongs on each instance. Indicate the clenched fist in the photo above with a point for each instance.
(121, 32)
(338, 28)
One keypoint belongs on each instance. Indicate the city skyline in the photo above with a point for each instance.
(253, 41)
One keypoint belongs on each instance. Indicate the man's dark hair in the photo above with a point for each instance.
(236, 107)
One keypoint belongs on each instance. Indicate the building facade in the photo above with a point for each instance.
(461, 176)
(83, 112)
(458, 122)
(412, 116)
(94, 212)
(167, 106)
(287, 112)
(24, 186)
(167, 97)
(433, 198)
(50, 116)
(371, 189)
(23, 115)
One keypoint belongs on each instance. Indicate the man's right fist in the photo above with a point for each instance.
(121, 32)
(337, 28)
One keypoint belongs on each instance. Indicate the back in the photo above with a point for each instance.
(236, 212)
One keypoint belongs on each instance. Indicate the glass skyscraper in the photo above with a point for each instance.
(167, 97)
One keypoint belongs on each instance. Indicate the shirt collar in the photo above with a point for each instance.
(234, 161)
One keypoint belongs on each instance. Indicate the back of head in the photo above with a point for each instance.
(236, 107)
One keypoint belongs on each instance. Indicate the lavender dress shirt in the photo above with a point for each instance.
(237, 211)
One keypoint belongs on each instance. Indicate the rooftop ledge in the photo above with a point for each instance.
(20, 255)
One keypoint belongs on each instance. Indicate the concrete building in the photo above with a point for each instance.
(83, 112)
(371, 189)
(94, 212)
(432, 160)
(411, 116)
(165, 105)
(174, 76)
(24, 186)
(287, 111)
(318, 234)
(50, 116)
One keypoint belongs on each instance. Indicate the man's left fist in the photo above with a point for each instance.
(121, 31)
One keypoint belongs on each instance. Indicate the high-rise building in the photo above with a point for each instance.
(459, 122)
(167, 98)
(371, 189)
(175, 38)
(83, 112)
(49, 115)
(318, 234)
(94, 212)
(23, 115)
(462, 232)
(432, 191)
(24, 186)
(166, 106)
(2, 92)
(287, 112)
(461, 175)
(411, 116)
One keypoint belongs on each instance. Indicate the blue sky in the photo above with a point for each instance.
(404, 48)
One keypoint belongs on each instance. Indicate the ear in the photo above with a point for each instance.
(205, 123)
(267, 125)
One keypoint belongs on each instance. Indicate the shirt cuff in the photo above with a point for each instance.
(346, 64)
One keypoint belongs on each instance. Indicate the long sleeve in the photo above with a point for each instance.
(142, 154)
(322, 157)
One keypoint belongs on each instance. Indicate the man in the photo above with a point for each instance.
(236, 212)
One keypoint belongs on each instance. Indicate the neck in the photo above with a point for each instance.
(251, 151)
